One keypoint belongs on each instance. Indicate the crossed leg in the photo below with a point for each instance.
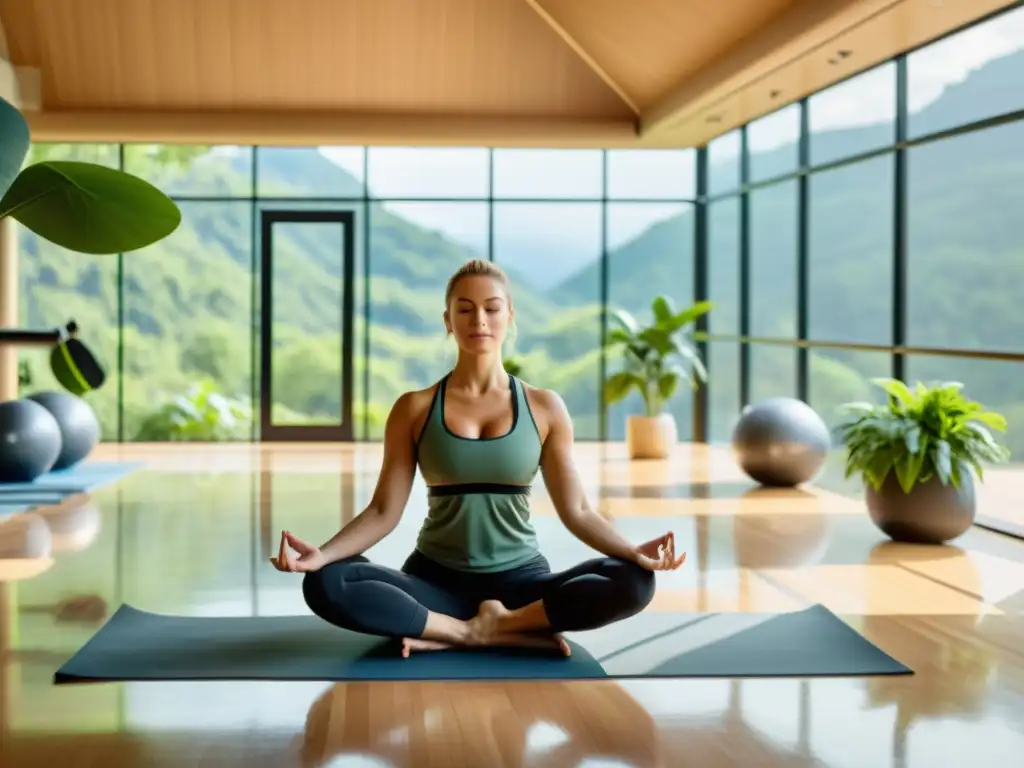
(361, 596)
(592, 594)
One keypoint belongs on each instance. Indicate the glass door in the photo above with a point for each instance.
(306, 325)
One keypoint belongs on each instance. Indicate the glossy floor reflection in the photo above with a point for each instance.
(191, 535)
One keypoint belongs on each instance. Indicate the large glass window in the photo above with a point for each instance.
(188, 170)
(651, 174)
(774, 144)
(552, 253)
(723, 249)
(724, 155)
(850, 253)
(544, 174)
(856, 116)
(772, 371)
(838, 376)
(650, 247)
(310, 172)
(415, 247)
(964, 242)
(723, 389)
(428, 172)
(773, 261)
(971, 75)
(188, 328)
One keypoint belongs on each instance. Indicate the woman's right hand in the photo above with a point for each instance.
(310, 558)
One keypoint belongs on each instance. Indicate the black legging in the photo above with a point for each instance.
(361, 596)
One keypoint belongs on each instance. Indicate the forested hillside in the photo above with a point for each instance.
(188, 302)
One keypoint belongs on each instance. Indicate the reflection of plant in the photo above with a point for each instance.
(656, 356)
(83, 207)
(920, 433)
(202, 414)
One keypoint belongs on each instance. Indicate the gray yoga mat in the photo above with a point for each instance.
(137, 645)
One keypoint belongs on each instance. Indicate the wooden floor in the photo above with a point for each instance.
(192, 532)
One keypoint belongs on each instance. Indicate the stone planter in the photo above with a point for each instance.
(651, 437)
(932, 513)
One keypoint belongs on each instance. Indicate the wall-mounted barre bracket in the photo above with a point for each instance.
(24, 337)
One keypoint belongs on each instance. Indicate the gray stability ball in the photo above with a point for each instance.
(30, 441)
(79, 427)
(780, 442)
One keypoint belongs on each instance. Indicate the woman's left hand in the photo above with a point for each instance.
(660, 554)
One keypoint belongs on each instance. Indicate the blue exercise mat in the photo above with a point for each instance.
(54, 487)
(139, 645)
(78, 479)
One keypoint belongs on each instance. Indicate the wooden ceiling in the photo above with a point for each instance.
(494, 72)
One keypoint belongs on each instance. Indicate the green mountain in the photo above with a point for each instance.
(187, 302)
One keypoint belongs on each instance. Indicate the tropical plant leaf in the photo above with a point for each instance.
(656, 357)
(922, 432)
(617, 386)
(618, 336)
(90, 208)
(626, 321)
(667, 384)
(663, 310)
(14, 143)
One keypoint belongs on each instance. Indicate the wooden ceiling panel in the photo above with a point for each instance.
(650, 46)
(436, 56)
(905, 26)
(615, 73)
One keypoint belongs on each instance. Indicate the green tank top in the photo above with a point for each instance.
(478, 514)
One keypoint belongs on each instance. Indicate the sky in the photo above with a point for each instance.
(572, 230)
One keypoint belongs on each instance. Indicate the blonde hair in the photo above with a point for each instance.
(478, 268)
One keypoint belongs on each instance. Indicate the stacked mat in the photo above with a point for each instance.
(54, 487)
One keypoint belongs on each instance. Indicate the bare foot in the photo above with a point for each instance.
(410, 644)
(484, 631)
(484, 626)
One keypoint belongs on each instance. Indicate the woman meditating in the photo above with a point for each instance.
(476, 576)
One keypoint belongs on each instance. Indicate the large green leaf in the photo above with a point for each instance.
(90, 208)
(619, 385)
(14, 144)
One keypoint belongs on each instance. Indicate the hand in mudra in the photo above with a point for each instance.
(660, 554)
(310, 558)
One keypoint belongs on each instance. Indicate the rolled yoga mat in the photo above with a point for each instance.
(137, 645)
(53, 487)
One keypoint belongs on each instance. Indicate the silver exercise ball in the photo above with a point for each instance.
(780, 442)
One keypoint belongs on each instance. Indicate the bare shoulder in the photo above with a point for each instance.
(413, 407)
(548, 408)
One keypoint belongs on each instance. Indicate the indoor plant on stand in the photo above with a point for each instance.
(918, 455)
(656, 358)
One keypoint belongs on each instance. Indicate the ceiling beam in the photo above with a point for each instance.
(309, 128)
(807, 25)
(579, 50)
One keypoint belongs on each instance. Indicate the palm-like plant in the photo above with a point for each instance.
(657, 357)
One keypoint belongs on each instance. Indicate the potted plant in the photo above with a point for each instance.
(918, 455)
(656, 358)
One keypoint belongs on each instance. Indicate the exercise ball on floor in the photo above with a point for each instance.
(79, 427)
(780, 442)
(30, 441)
